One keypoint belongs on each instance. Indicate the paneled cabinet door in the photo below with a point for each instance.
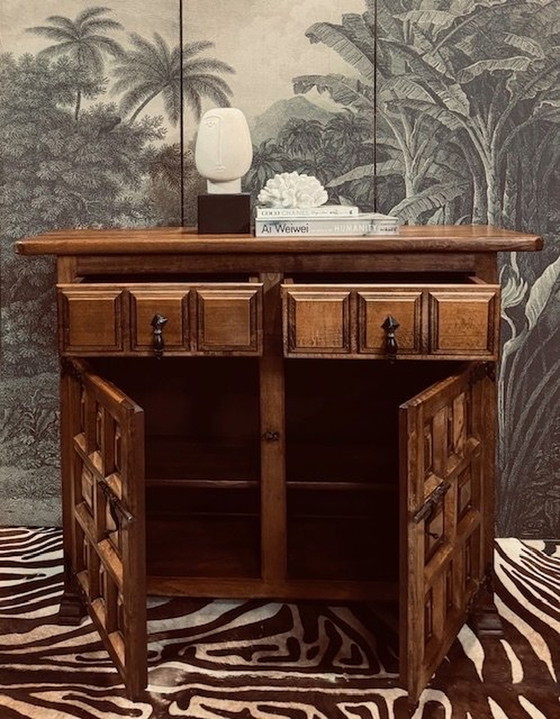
(105, 441)
(447, 448)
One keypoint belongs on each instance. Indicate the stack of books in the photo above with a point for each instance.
(324, 221)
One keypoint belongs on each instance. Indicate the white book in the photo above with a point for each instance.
(364, 225)
(305, 212)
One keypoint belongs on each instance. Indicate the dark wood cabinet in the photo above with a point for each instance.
(220, 437)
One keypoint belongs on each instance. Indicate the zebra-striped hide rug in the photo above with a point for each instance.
(262, 660)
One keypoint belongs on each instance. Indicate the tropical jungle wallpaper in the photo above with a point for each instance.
(440, 111)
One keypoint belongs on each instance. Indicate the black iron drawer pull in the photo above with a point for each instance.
(121, 516)
(158, 323)
(391, 346)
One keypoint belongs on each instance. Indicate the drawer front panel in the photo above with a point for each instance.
(194, 319)
(464, 322)
(147, 304)
(229, 320)
(91, 320)
(404, 307)
(317, 322)
(449, 321)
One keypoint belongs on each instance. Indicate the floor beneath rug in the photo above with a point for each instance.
(263, 660)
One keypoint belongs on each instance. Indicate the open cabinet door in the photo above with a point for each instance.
(104, 449)
(447, 456)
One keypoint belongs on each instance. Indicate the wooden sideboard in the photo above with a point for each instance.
(284, 418)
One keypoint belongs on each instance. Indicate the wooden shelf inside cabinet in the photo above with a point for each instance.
(227, 545)
(284, 418)
(180, 459)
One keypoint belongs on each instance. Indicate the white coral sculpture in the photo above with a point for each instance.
(290, 189)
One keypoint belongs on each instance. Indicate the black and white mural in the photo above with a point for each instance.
(440, 111)
(468, 100)
(74, 153)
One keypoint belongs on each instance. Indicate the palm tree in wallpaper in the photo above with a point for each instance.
(354, 40)
(269, 159)
(323, 149)
(465, 89)
(301, 137)
(444, 89)
(83, 40)
(150, 69)
(483, 88)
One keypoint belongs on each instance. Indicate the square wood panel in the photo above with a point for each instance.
(167, 302)
(228, 320)
(374, 308)
(464, 322)
(91, 319)
(317, 322)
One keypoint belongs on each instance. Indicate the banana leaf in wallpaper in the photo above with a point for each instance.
(441, 111)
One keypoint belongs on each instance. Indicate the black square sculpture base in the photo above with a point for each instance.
(224, 214)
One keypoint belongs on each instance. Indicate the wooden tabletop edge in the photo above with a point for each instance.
(169, 240)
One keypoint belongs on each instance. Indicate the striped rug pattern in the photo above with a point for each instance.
(263, 660)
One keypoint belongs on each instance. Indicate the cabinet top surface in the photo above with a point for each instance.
(177, 240)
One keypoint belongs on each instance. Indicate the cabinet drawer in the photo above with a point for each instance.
(453, 321)
(176, 319)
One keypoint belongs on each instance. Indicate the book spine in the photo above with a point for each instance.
(334, 228)
(285, 213)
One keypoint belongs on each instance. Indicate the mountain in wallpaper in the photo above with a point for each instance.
(79, 149)
(269, 123)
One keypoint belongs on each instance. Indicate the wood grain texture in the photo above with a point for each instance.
(288, 589)
(211, 318)
(91, 319)
(273, 436)
(374, 307)
(317, 321)
(173, 264)
(164, 240)
(455, 321)
(71, 606)
(109, 554)
(443, 569)
(167, 301)
(465, 321)
(229, 320)
(265, 480)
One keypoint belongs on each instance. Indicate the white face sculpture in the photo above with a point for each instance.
(223, 151)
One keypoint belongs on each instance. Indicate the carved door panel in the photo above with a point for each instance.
(447, 455)
(106, 467)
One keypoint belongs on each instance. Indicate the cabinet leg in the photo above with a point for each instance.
(72, 608)
(485, 619)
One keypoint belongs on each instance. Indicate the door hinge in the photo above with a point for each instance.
(68, 368)
(490, 370)
(427, 510)
(270, 436)
(484, 369)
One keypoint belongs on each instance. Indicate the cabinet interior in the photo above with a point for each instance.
(324, 278)
(202, 451)
(379, 278)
